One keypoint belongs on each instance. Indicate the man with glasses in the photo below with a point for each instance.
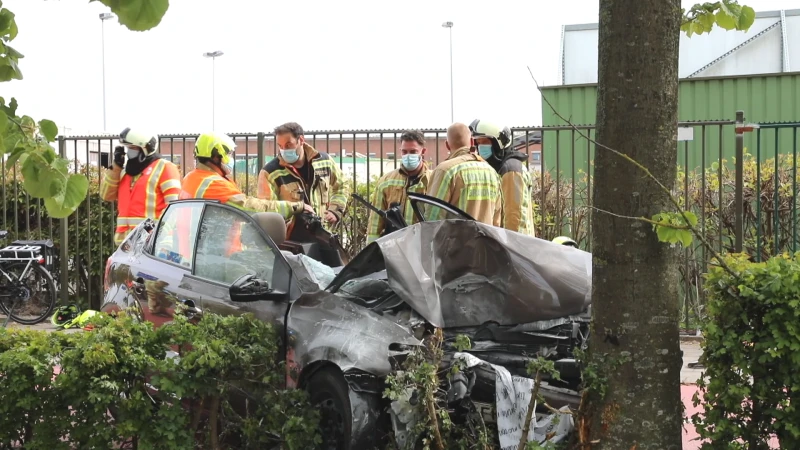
(142, 186)
(301, 173)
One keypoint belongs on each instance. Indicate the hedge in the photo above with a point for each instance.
(94, 389)
(752, 354)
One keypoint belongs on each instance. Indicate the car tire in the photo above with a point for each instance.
(331, 395)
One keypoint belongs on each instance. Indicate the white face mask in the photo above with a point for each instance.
(133, 153)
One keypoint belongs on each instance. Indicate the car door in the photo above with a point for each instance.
(231, 244)
(426, 206)
(160, 275)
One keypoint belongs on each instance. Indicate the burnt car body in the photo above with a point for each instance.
(515, 296)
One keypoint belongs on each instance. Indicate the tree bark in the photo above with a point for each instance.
(635, 277)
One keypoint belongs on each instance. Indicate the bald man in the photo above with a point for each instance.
(466, 181)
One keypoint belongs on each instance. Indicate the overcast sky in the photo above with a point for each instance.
(326, 64)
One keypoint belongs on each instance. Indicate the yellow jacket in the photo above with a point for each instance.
(469, 183)
(281, 181)
(393, 187)
(517, 186)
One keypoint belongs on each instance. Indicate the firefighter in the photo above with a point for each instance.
(142, 186)
(494, 145)
(393, 187)
(466, 181)
(302, 174)
(212, 179)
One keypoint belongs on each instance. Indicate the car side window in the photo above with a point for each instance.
(230, 245)
(176, 232)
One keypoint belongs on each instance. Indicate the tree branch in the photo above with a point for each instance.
(643, 219)
(647, 172)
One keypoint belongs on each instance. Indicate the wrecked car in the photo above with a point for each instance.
(345, 327)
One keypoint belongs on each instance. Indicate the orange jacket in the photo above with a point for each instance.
(144, 196)
(212, 183)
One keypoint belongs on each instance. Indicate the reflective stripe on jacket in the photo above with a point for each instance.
(517, 186)
(211, 183)
(469, 183)
(140, 197)
(391, 188)
(281, 181)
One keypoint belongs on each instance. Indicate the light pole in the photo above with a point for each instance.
(103, 18)
(213, 55)
(450, 26)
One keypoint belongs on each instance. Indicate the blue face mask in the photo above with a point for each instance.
(411, 161)
(290, 155)
(485, 150)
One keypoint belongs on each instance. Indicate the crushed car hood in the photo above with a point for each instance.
(458, 273)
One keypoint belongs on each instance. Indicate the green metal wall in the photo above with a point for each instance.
(763, 98)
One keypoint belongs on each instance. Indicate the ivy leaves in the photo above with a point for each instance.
(9, 57)
(727, 14)
(27, 142)
(45, 174)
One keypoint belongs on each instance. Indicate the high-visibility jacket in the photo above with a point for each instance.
(469, 183)
(140, 197)
(517, 186)
(394, 187)
(279, 180)
(212, 183)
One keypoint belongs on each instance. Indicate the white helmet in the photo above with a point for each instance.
(147, 142)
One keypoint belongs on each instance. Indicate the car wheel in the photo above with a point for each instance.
(330, 394)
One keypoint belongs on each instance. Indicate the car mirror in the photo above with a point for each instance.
(248, 288)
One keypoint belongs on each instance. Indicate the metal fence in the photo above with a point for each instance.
(740, 180)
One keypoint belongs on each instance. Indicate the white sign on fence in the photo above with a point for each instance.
(685, 134)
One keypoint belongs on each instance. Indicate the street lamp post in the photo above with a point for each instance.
(103, 18)
(213, 55)
(450, 26)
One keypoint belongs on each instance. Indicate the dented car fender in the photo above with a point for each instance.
(324, 327)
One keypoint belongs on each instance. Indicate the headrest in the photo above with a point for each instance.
(273, 224)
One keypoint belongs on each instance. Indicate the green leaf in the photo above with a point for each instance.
(3, 121)
(57, 210)
(8, 25)
(48, 129)
(707, 20)
(77, 188)
(138, 15)
(15, 155)
(38, 176)
(746, 18)
(691, 217)
(725, 19)
(9, 70)
(685, 236)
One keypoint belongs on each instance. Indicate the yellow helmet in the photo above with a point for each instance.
(208, 142)
(565, 240)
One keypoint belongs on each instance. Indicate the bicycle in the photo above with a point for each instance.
(25, 282)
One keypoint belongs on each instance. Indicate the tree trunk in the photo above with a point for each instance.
(635, 277)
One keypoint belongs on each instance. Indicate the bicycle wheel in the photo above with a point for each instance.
(27, 296)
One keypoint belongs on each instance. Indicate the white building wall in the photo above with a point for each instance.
(719, 53)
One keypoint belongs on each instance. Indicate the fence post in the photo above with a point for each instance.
(63, 236)
(260, 151)
(738, 201)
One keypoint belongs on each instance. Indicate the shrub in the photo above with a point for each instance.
(113, 367)
(752, 338)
